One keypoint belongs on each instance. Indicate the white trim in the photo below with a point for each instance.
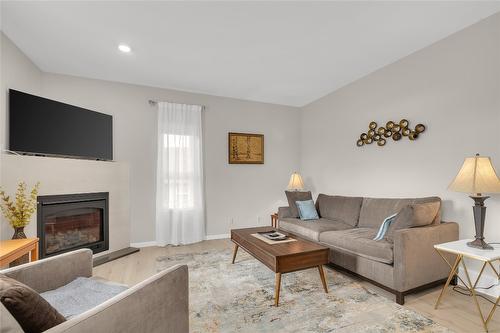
(154, 243)
(144, 244)
(221, 236)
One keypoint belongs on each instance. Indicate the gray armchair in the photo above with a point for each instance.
(157, 304)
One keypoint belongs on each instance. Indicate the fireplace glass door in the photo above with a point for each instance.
(72, 228)
(70, 222)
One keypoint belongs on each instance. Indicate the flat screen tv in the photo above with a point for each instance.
(41, 126)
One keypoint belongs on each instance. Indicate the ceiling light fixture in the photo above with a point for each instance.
(124, 48)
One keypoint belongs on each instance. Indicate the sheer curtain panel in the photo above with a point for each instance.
(180, 204)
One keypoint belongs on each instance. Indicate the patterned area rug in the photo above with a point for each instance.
(239, 298)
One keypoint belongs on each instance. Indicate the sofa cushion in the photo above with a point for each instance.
(31, 311)
(311, 229)
(415, 215)
(341, 208)
(293, 196)
(375, 210)
(359, 241)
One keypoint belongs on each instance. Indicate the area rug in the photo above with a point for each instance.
(239, 298)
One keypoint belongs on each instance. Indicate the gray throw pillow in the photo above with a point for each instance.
(293, 196)
(414, 215)
(32, 312)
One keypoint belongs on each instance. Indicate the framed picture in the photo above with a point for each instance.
(245, 148)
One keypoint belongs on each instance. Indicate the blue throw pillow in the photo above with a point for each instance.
(307, 210)
(384, 227)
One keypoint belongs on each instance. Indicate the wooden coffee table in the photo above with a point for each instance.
(281, 258)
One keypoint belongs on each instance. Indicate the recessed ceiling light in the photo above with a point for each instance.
(124, 48)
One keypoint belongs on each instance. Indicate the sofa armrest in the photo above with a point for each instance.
(284, 212)
(53, 272)
(157, 304)
(416, 262)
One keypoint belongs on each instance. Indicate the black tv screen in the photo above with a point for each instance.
(42, 126)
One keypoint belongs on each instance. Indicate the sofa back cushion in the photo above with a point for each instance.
(375, 210)
(293, 197)
(334, 207)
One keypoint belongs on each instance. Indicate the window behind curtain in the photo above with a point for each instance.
(180, 188)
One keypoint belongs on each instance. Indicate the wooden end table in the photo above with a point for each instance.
(274, 220)
(487, 257)
(13, 249)
(281, 257)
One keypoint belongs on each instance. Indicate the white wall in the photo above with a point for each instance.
(453, 87)
(237, 195)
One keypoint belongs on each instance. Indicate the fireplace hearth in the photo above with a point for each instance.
(73, 221)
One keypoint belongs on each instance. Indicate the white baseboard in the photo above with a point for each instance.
(144, 244)
(221, 236)
(154, 243)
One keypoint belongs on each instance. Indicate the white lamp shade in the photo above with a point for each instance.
(296, 182)
(477, 175)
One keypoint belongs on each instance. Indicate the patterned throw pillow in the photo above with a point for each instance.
(307, 210)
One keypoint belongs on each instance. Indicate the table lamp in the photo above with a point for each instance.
(477, 176)
(296, 183)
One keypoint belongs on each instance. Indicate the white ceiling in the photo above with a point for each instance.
(280, 52)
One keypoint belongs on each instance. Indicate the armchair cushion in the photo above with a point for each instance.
(82, 294)
(30, 310)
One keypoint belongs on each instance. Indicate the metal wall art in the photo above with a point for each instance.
(393, 130)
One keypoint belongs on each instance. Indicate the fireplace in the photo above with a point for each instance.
(73, 221)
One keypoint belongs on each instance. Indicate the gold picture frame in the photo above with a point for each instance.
(245, 148)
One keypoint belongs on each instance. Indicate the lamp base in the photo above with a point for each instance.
(479, 214)
(480, 244)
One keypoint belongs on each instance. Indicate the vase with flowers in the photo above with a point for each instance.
(18, 211)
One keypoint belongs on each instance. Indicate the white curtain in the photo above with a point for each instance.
(180, 205)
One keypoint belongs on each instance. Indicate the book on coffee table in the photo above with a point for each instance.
(273, 235)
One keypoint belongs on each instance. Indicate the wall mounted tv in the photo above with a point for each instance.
(40, 126)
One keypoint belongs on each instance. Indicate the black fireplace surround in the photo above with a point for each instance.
(72, 221)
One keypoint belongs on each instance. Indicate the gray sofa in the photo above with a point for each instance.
(347, 225)
(157, 304)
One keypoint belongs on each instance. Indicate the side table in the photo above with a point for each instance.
(487, 257)
(13, 249)
(274, 220)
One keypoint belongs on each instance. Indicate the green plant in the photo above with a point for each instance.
(19, 211)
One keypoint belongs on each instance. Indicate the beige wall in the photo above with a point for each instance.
(453, 87)
(237, 195)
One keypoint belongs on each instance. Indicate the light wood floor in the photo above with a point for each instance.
(456, 311)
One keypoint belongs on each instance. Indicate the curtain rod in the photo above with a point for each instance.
(155, 103)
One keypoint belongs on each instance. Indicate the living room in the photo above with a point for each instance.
(201, 115)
